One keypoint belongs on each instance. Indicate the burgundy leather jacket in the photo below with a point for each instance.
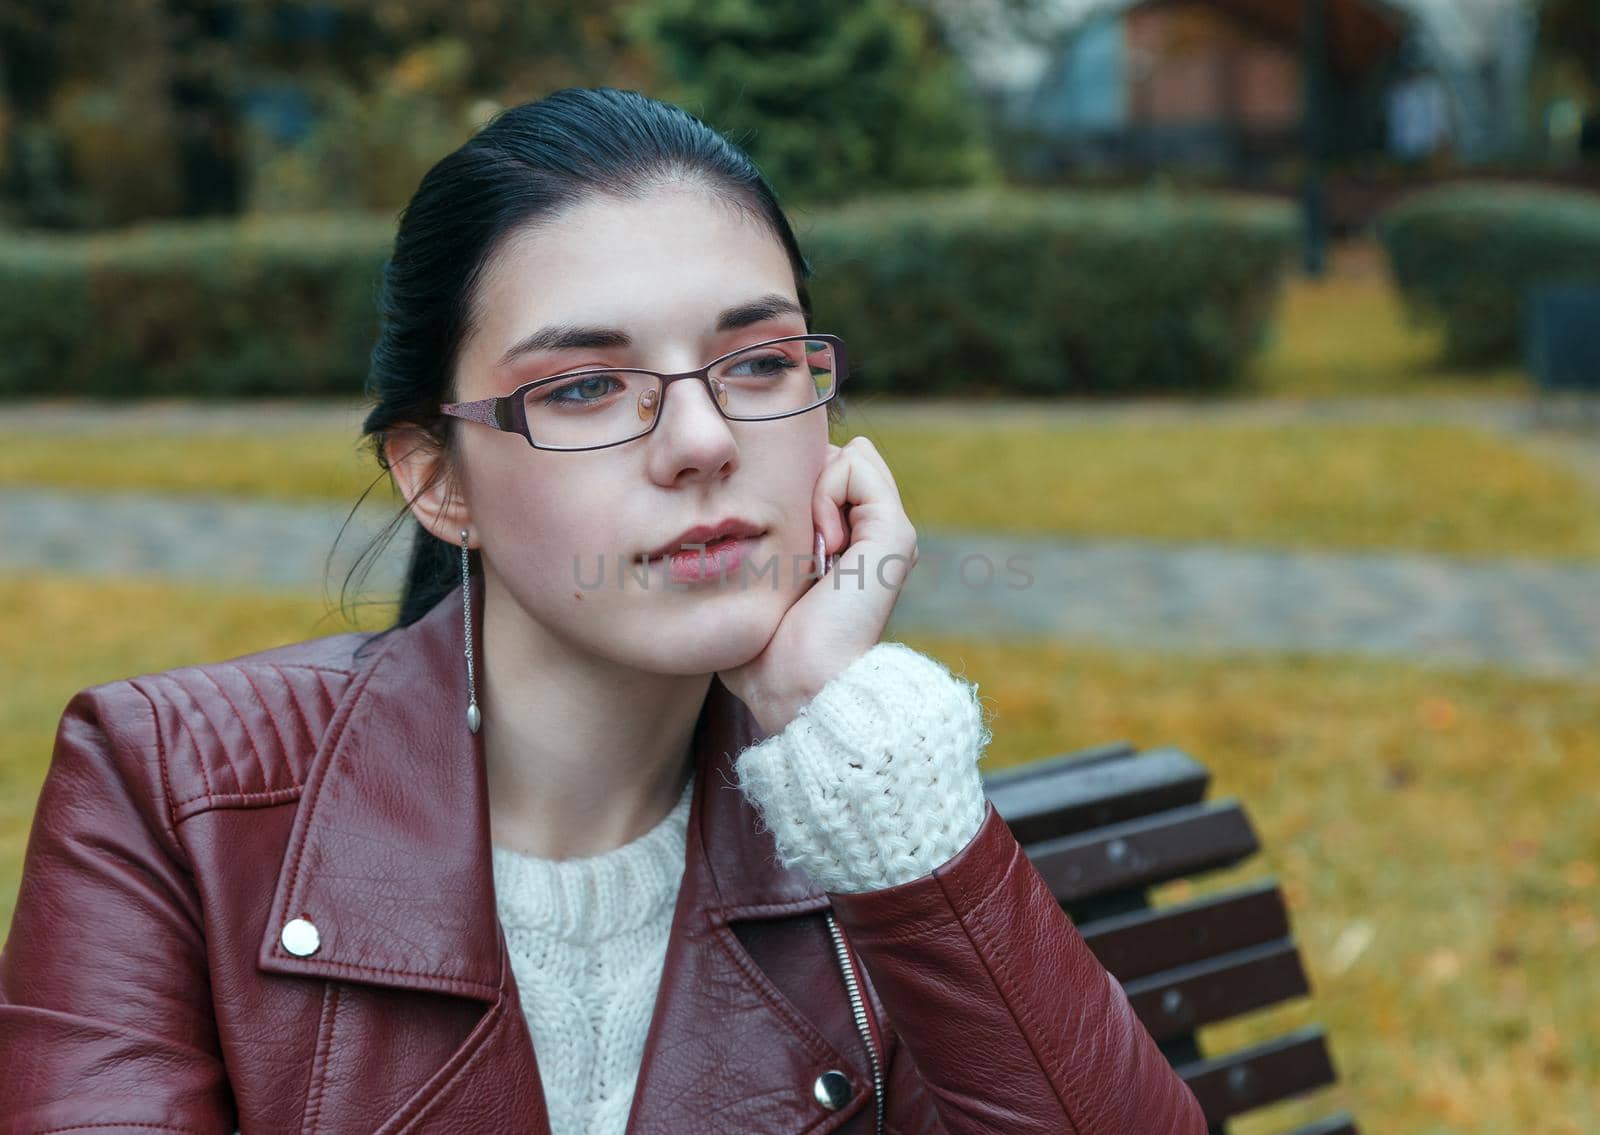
(188, 816)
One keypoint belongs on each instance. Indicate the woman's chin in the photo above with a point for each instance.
(705, 645)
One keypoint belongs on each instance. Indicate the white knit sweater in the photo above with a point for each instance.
(875, 782)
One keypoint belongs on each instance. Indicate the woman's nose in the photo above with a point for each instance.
(690, 430)
(651, 401)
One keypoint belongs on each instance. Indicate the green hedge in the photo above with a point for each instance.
(949, 293)
(215, 308)
(1026, 293)
(1464, 255)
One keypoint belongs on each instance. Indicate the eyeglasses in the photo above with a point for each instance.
(593, 409)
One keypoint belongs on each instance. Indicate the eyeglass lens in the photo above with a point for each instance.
(604, 407)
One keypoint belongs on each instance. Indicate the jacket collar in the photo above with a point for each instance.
(389, 855)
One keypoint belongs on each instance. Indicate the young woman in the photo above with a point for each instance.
(599, 837)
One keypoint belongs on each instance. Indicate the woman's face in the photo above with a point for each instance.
(672, 280)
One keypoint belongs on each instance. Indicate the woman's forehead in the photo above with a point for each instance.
(642, 274)
(669, 263)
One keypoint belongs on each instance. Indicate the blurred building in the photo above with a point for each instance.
(1080, 86)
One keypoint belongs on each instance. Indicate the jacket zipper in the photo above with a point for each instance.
(859, 1008)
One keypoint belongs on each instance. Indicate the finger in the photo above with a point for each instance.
(827, 515)
(877, 487)
(863, 447)
(865, 489)
(841, 486)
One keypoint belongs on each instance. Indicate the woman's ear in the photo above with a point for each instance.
(422, 474)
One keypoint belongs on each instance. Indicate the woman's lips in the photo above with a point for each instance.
(720, 558)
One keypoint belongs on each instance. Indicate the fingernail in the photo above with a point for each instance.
(822, 555)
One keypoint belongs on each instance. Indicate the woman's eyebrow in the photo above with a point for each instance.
(566, 336)
(767, 307)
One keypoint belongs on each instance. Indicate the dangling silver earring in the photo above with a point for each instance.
(474, 718)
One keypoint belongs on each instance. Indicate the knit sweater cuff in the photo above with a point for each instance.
(875, 782)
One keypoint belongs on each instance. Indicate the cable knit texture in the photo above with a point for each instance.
(588, 941)
(875, 782)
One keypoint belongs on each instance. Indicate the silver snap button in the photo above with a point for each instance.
(300, 937)
(832, 1090)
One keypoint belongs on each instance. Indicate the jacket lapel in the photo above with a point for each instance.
(726, 1051)
(389, 854)
(390, 857)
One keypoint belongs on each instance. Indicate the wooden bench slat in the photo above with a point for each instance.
(1058, 764)
(1081, 796)
(1253, 1077)
(1101, 826)
(1179, 1001)
(1342, 1124)
(1136, 945)
(1137, 853)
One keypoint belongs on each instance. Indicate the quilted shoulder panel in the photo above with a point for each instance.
(243, 732)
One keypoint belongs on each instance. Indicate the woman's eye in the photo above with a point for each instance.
(588, 389)
(764, 365)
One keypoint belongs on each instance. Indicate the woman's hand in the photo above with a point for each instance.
(842, 614)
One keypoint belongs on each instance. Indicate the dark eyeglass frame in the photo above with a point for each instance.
(510, 412)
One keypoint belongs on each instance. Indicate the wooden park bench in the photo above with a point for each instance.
(1103, 826)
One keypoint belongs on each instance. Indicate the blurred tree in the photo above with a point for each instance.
(123, 110)
(831, 97)
(1567, 66)
(516, 51)
(407, 82)
(34, 168)
(113, 111)
(120, 110)
(1570, 30)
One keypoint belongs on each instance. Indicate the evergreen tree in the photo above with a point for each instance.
(832, 98)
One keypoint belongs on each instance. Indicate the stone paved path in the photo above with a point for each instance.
(223, 541)
(1526, 615)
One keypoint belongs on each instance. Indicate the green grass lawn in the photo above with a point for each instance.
(1423, 488)
(1433, 832)
(1427, 488)
(279, 466)
(1347, 334)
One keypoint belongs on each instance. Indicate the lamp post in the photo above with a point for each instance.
(1315, 131)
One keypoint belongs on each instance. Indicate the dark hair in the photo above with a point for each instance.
(526, 164)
